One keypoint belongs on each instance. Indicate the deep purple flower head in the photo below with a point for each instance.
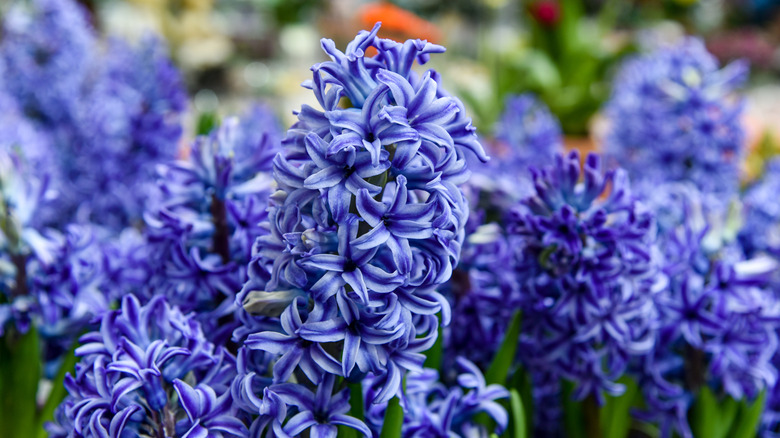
(586, 272)
(153, 93)
(716, 317)
(22, 246)
(206, 214)
(527, 134)
(761, 231)
(47, 50)
(129, 122)
(109, 116)
(149, 370)
(529, 131)
(21, 137)
(675, 117)
(433, 408)
(368, 220)
(483, 292)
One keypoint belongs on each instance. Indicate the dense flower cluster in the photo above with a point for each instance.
(484, 298)
(149, 371)
(432, 408)
(761, 231)
(107, 116)
(251, 285)
(586, 273)
(716, 324)
(21, 194)
(674, 117)
(369, 219)
(530, 132)
(55, 280)
(204, 217)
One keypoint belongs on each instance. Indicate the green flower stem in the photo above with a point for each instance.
(592, 416)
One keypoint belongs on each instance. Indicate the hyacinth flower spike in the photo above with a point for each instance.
(368, 220)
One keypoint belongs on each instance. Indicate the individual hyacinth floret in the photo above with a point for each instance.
(674, 116)
(149, 371)
(586, 273)
(368, 220)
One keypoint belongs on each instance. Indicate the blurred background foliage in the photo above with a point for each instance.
(565, 51)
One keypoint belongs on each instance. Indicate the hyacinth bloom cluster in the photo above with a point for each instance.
(205, 215)
(107, 116)
(20, 243)
(674, 116)
(484, 298)
(716, 316)
(56, 280)
(149, 371)
(434, 408)
(760, 232)
(585, 267)
(368, 220)
(526, 134)
(529, 131)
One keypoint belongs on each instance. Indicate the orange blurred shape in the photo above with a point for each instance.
(398, 23)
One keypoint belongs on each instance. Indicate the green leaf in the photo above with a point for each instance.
(347, 432)
(522, 382)
(748, 418)
(394, 417)
(728, 412)
(206, 123)
(573, 417)
(21, 372)
(394, 420)
(433, 356)
(499, 368)
(703, 412)
(615, 414)
(58, 391)
(518, 423)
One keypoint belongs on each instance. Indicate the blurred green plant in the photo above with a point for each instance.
(22, 414)
(566, 60)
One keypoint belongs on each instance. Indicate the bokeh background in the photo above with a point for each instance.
(566, 51)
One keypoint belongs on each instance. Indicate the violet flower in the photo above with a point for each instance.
(368, 220)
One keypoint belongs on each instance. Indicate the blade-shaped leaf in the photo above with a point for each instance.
(749, 417)
(58, 391)
(573, 416)
(21, 372)
(615, 414)
(703, 411)
(433, 356)
(518, 426)
(499, 368)
(394, 417)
